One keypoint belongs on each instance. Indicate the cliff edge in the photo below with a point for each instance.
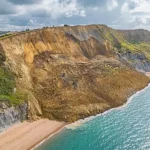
(71, 73)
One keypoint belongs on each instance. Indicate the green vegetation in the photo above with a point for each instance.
(128, 46)
(27, 30)
(111, 68)
(7, 86)
(119, 43)
(106, 35)
(109, 37)
(134, 42)
(140, 47)
(66, 25)
(13, 98)
(2, 58)
(7, 82)
(5, 36)
(9, 35)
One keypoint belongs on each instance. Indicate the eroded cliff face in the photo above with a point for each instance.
(10, 115)
(13, 103)
(72, 72)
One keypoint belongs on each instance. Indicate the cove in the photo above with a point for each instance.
(123, 128)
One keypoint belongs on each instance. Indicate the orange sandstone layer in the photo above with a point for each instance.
(26, 135)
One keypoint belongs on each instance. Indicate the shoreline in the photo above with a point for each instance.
(38, 143)
(28, 135)
(31, 131)
(78, 123)
(74, 125)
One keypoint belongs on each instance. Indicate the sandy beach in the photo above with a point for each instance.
(26, 135)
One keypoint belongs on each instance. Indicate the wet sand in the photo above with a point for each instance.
(26, 135)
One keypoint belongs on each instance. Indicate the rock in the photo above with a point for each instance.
(12, 115)
(136, 60)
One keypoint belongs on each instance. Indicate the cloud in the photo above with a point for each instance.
(134, 14)
(54, 9)
(92, 3)
(7, 8)
(24, 2)
(21, 14)
(112, 4)
(46, 12)
(132, 5)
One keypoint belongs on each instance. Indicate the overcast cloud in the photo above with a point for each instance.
(120, 14)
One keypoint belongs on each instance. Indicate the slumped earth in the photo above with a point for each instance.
(69, 73)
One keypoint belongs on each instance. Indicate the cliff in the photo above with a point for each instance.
(71, 73)
(13, 104)
(10, 115)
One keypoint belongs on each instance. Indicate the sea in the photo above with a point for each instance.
(123, 128)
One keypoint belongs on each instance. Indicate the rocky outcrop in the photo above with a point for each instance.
(137, 60)
(10, 115)
(71, 73)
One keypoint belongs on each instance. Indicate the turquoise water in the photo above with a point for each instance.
(126, 128)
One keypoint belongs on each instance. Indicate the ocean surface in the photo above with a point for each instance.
(123, 128)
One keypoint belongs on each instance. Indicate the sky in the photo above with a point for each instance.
(118, 14)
